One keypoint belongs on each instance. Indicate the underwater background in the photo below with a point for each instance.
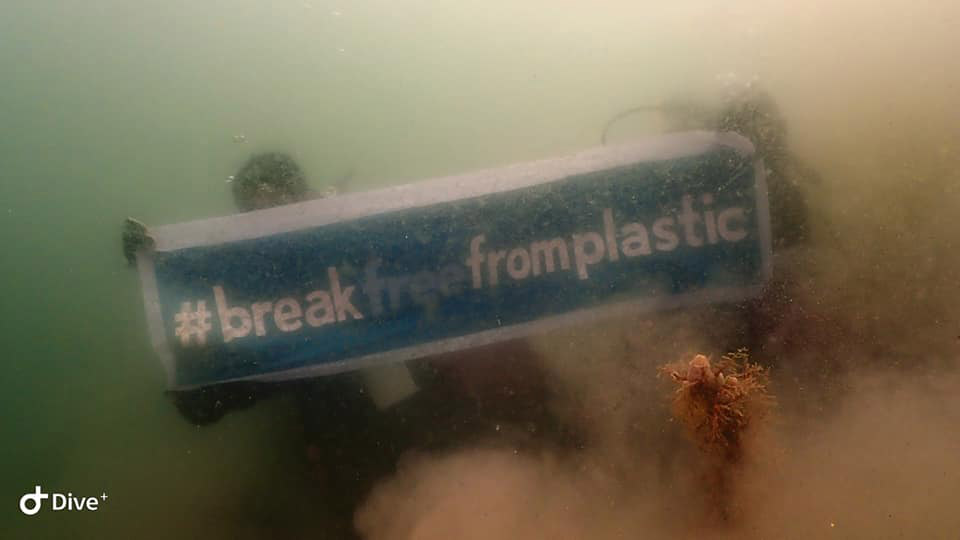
(111, 109)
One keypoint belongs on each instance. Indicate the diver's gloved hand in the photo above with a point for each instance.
(208, 404)
(135, 237)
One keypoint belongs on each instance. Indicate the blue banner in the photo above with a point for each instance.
(342, 283)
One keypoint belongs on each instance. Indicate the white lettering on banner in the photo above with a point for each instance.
(689, 227)
(323, 307)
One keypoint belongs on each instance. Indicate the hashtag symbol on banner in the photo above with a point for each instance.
(192, 323)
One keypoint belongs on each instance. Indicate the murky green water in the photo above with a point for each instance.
(114, 108)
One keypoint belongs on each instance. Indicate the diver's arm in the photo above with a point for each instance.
(206, 405)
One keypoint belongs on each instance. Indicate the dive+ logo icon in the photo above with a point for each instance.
(31, 503)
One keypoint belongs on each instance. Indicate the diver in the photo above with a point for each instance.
(752, 113)
(265, 180)
(353, 436)
(350, 442)
(778, 328)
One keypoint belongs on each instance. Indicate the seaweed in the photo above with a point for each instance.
(721, 404)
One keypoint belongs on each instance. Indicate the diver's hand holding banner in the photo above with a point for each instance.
(347, 282)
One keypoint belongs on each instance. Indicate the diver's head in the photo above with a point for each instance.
(268, 180)
(754, 114)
